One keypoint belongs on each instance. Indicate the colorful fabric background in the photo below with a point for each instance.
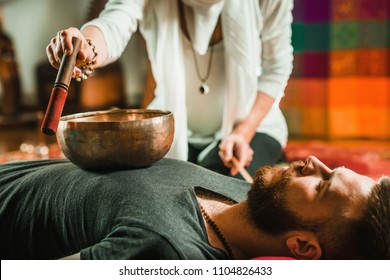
(340, 86)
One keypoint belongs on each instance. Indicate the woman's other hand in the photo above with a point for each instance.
(235, 145)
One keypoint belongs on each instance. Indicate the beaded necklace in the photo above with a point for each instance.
(216, 229)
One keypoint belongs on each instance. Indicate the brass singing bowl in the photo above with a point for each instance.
(116, 139)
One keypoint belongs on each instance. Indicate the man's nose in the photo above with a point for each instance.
(314, 166)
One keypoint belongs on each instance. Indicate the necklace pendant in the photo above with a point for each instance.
(204, 89)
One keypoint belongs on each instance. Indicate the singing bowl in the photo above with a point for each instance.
(116, 139)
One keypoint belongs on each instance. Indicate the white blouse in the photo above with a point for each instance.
(257, 55)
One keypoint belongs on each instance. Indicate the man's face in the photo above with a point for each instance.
(309, 191)
(315, 191)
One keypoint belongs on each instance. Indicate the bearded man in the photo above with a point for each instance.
(177, 210)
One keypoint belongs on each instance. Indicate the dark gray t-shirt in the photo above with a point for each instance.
(51, 208)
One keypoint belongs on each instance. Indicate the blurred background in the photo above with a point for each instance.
(339, 89)
(32, 23)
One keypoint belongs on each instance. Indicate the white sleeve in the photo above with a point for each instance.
(118, 21)
(277, 50)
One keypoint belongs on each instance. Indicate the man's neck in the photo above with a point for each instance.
(244, 238)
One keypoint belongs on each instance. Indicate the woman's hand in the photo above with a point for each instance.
(62, 44)
(235, 145)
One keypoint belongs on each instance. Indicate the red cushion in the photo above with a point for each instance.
(273, 258)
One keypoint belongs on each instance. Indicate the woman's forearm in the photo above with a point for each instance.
(247, 127)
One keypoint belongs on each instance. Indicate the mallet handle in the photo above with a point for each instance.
(60, 90)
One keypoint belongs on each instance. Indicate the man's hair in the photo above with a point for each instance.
(368, 236)
(373, 228)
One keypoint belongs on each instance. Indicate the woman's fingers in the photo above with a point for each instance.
(62, 44)
(236, 146)
(51, 55)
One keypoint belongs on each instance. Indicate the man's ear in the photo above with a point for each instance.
(304, 245)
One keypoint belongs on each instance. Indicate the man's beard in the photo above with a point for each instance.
(267, 199)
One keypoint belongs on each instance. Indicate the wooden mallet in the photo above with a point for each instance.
(60, 91)
(245, 174)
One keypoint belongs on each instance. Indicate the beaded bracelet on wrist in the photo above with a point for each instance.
(88, 68)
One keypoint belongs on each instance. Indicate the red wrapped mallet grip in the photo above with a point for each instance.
(60, 91)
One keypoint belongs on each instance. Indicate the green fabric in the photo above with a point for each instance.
(51, 209)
